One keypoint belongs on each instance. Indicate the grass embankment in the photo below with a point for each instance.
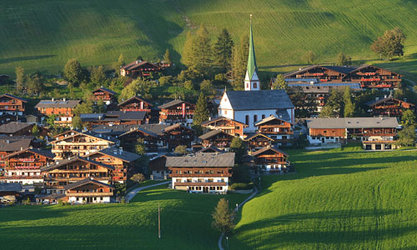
(338, 199)
(185, 223)
(43, 35)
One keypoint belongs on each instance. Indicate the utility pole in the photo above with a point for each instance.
(159, 221)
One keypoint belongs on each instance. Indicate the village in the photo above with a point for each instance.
(246, 136)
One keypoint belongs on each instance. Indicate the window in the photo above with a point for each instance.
(225, 112)
(247, 120)
(247, 85)
(263, 117)
(255, 85)
(255, 118)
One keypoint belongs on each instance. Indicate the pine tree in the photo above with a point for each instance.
(349, 107)
(201, 112)
(238, 146)
(223, 49)
(239, 61)
(223, 217)
(20, 78)
(334, 105)
(35, 85)
(120, 62)
(187, 52)
(167, 56)
(279, 82)
(202, 52)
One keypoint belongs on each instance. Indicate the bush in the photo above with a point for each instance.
(241, 186)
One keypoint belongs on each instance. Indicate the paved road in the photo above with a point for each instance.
(255, 192)
(132, 193)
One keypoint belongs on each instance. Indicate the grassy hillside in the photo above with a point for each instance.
(44, 34)
(185, 223)
(336, 200)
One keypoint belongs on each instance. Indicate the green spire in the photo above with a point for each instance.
(251, 56)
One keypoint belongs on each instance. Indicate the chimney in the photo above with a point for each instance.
(53, 99)
(64, 99)
(137, 61)
(7, 141)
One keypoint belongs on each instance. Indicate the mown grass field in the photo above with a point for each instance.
(338, 199)
(185, 223)
(43, 35)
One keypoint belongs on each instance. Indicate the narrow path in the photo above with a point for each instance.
(255, 192)
(132, 193)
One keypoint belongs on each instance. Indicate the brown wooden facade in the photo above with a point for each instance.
(271, 159)
(177, 111)
(390, 107)
(277, 129)
(78, 144)
(106, 95)
(136, 103)
(88, 191)
(258, 140)
(229, 126)
(58, 175)
(12, 105)
(139, 68)
(216, 138)
(368, 76)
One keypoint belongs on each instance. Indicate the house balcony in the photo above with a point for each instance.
(89, 194)
(201, 175)
(208, 184)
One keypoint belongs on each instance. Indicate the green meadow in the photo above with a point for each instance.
(339, 199)
(44, 34)
(185, 223)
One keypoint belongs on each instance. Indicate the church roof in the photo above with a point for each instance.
(259, 100)
(251, 67)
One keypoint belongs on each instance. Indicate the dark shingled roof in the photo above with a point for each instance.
(158, 163)
(60, 163)
(121, 154)
(126, 115)
(264, 149)
(341, 69)
(13, 127)
(137, 64)
(221, 118)
(13, 97)
(57, 104)
(105, 90)
(353, 122)
(211, 149)
(171, 103)
(83, 182)
(135, 98)
(10, 187)
(261, 99)
(15, 143)
(212, 133)
(375, 102)
(202, 160)
(46, 153)
(256, 135)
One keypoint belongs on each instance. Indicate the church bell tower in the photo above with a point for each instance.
(251, 77)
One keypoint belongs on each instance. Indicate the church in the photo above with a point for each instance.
(253, 104)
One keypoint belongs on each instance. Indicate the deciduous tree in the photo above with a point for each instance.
(180, 149)
(343, 60)
(20, 78)
(390, 44)
(223, 217)
(97, 75)
(309, 57)
(349, 107)
(139, 178)
(239, 148)
(73, 71)
(280, 83)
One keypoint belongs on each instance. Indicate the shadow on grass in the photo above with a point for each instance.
(276, 237)
(24, 58)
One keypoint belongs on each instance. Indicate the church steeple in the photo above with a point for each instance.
(251, 78)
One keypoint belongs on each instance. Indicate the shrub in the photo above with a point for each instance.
(241, 186)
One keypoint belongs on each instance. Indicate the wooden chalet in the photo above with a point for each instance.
(6, 118)
(366, 76)
(216, 138)
(158, 168)
(277, 129)
(376, 133)
(271, 160)
(62, 109)
(121, 160)
(63, 172)
(139, 68)
(16, 129)
(112, 118)
(202, 172)
(75, 143)
(176, 111)
(24, 166)
(88, 190)
(12, 144)
(259, 140)
(136, 103)
(389, 106)
(227, 125)
(12, 105)
(106, 95)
